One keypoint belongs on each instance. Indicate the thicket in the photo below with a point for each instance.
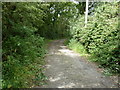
(101, 37)
(25, 27)
(23, 50)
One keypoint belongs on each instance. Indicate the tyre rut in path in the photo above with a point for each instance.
(67, 69)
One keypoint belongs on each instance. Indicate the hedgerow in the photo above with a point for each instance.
(27, 25)
(25, 28)
(101, 36)
(23, 50)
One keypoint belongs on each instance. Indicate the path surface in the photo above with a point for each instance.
(67, 69)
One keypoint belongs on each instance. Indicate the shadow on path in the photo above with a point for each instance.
(66, 69)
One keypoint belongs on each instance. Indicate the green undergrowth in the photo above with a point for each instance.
(23, 62)
(26, 25)
(76, 46)
(23, 50)
(66, 41)
(101, 36)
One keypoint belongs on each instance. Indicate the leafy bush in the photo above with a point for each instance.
(76, 46)
(21, 60)
(24, 26)
(23, 50)
(101, 36)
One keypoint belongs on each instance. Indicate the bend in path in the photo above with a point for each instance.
(66, 69)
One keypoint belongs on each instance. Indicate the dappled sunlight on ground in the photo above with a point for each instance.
(57, 77)
(67, 51)
(69, 85)
(66, 69)
(54, 79)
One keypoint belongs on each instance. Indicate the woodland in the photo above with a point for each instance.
(27, 27)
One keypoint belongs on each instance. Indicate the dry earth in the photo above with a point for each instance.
(67, 69)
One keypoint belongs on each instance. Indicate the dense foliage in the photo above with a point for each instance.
(27, 25)
(101, 36)
(23, 51)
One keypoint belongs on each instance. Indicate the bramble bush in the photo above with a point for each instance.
(101, 36)
(25, 29)
(23, 50)
(26, 25)
(21, 59)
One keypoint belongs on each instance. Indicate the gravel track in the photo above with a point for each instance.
(67, 69)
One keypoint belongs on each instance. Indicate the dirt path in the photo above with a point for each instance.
(66, 69)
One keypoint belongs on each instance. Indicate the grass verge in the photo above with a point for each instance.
(76, 46)
(79, 48)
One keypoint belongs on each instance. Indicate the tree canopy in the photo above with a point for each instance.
(26, 27)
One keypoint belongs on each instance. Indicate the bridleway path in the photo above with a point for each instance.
(67, 69)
